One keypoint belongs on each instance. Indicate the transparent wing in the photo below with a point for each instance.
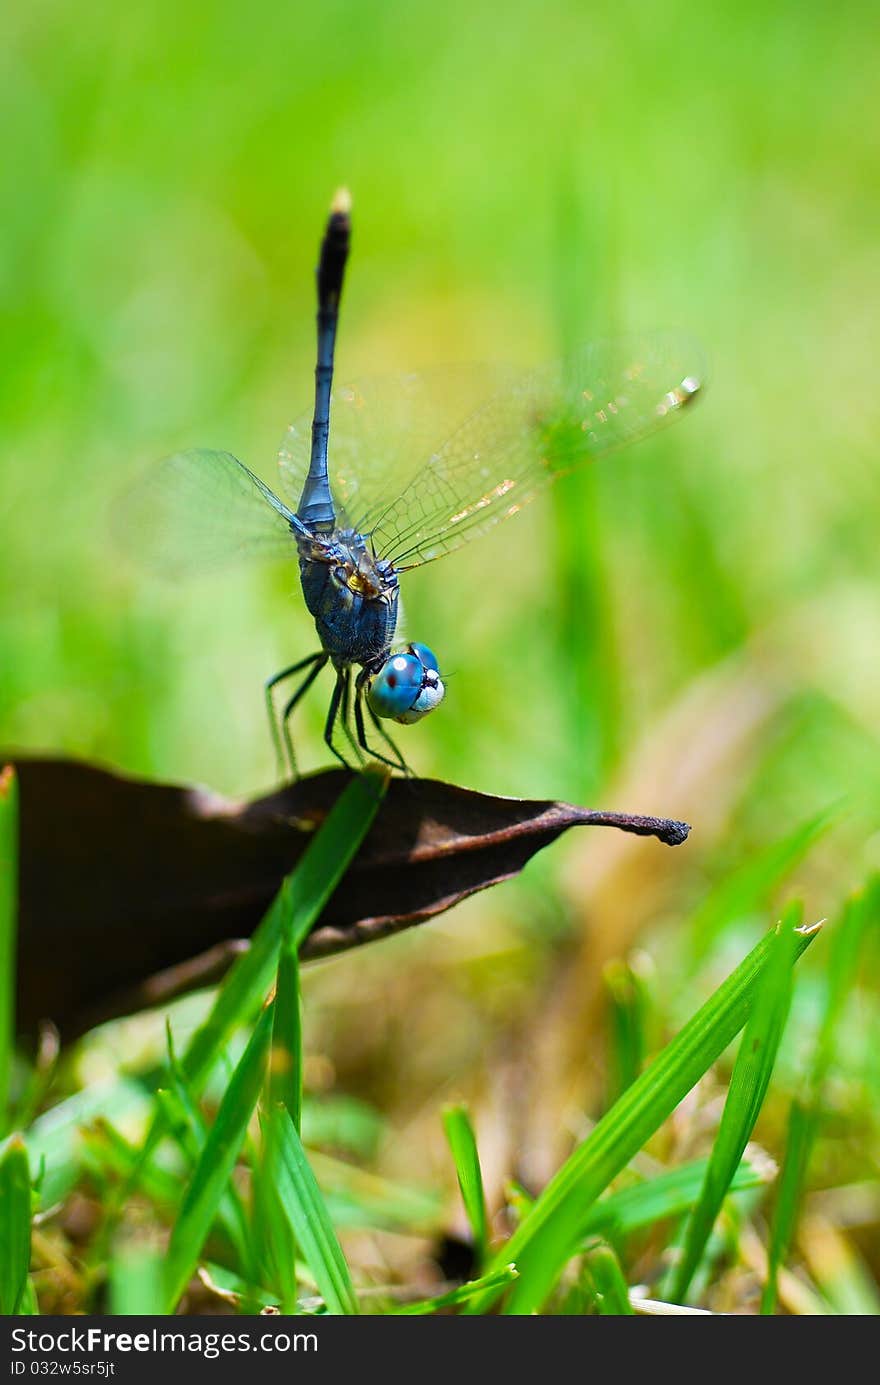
(528, 434)
(381, 429)
(202, 509)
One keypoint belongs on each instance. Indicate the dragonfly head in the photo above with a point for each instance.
(407, 686)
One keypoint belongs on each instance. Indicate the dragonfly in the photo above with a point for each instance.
(420, 465)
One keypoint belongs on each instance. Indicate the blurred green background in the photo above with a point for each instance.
(691, 628)
(520, 176)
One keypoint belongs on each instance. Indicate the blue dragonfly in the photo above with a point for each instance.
(398, 496)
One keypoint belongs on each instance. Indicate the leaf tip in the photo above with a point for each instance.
(807, 930)
(675, 833)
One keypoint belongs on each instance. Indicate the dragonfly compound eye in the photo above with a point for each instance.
(427, 656)
(407, 687)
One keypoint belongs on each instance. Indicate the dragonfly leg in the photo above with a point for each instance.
(345, 715)
(340, 692)
(276, 725)
(289, 708)
(399, 762)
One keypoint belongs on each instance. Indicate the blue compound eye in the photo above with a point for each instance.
(407, 686)
(427, 656)
(396, 686)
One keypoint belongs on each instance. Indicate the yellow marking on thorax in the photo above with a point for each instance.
(361, 585)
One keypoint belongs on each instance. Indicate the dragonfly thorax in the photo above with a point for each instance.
(352, 595)
(354, 598)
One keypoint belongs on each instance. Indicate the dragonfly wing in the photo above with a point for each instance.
(380, 429)
(529, 433)
(202, 509)
(293, 457)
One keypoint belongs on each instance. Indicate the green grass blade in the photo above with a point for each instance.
(8, 925)
(306, 1212)
(628, 1006)
(136, 1282)
(105, 1152)
(668, 1195)
(801, 1133)
(846, 941)
(54, 1139)
(748, 1087)
(284, 1087)
(463, 1144)
(188, 1128)
(497, 1281)
(242, 991)
(297, 906)
(234, 1289)
(286, 1060)
(29, 1307)
(541, 1244)
(214, 1169)
(608, 1282)
(276, 1249)
(15, 1224)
